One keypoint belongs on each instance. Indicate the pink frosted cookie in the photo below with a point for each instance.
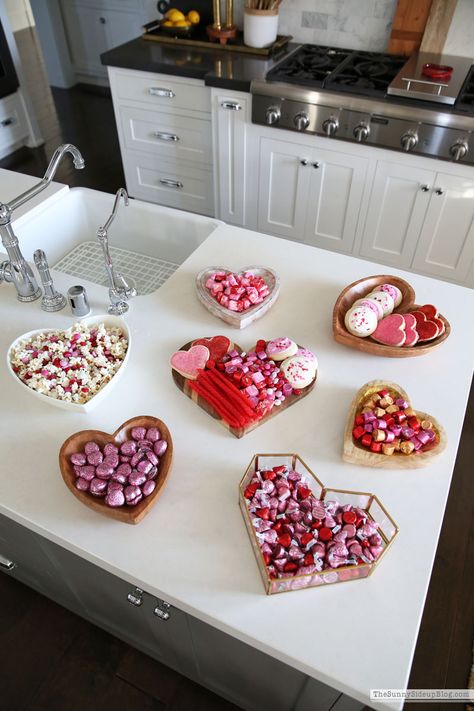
(411, 334)
(298, 371)
(281, 348)
(361, 321)
(390, 331)
(188, 363)
(308, 355)
(384, 299)
(394, 292)
(372, 304)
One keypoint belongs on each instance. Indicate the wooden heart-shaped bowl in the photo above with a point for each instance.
(90, 322)
(244, 318)
(359, 289)
(183, 385)
(356, 453)
(76, 442)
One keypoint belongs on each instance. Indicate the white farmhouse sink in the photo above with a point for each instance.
(148, 242)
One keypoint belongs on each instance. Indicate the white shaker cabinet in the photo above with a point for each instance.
(310, 194)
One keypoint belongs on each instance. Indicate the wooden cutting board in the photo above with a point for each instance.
(408, 26)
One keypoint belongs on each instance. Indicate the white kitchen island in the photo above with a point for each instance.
(192, 549)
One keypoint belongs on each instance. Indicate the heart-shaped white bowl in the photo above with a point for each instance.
(244, 318)
(112, 322)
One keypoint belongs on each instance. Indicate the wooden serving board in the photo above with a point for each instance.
(183, 384)
(76, 442)
(356, 453)
(244, 318)
(359, 289)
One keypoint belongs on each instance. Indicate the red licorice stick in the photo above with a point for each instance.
(234, 394)
(206, 381)
(210, 398)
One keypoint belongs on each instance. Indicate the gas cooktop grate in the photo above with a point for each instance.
(86, 261)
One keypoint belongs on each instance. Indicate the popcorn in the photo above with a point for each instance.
(70, 365)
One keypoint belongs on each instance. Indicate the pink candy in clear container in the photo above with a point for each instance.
(305, 535)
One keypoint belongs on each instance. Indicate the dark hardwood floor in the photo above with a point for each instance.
(52, 660)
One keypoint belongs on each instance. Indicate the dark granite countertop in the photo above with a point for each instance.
(220, 68)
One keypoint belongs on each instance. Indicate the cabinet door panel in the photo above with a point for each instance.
(446, 245)
(242, 674)
(284, 185)
(396, 212)
(335, 196)
(86, 37)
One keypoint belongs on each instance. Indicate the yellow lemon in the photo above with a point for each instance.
(175, 16)
(182, 23)
(193, 17)
(167, 23)
(168, 12)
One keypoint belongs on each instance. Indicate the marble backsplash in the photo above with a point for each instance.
(354, 24)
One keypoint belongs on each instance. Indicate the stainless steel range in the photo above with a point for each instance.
(349, 95)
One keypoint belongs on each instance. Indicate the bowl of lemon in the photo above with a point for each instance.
(176, 24)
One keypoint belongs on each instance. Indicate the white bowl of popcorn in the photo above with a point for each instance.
(72, 368)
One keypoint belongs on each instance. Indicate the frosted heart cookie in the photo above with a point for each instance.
(372, 304)
(384, 299)
(411, 334)
(361, 321)
(298, 371)
(281, 348)
(394, 292)
(390, 330)
(189, 363)
(218, 346)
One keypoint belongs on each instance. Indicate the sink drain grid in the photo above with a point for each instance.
(86, 261)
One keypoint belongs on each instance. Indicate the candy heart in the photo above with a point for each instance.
(77, 442)
(251, 313)
(217, 345)
(390, 330)
(243, 391)
(189, 362)
(402, 438)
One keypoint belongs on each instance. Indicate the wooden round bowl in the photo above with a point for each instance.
(76, 442)
(359, 289)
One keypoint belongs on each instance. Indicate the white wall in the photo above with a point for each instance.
(460, 40)
(19, 14)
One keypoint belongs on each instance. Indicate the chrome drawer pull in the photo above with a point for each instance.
(8, 121)
(171, 183)
(159, 91)
(135, 597)
(6, 564)
(231, 105)
(162, 610)
(165, 136)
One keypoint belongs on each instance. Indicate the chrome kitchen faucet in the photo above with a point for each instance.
(16, 270)
(119, 290)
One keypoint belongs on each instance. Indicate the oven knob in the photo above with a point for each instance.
(459, 149)
(301, 121)
(409, 140)
(330, 126)
(272, 115)
(361, 132)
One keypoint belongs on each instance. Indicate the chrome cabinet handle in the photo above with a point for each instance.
(163, 136)
(439, 191)
(162, 610)
(231, 105)
(424, 188)
(135, 597)
(316, 164)
(159, 91)
(304, 161)
(6, 564)
(171, 183)
(102, 20)
(8, 121)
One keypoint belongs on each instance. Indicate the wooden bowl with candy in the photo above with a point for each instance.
(331, 536)
(252, 292)
(121, 489)
(383, 430)
(407, 329)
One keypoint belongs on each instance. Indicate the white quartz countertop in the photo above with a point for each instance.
(192, 549)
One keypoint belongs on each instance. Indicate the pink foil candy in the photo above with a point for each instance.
(138, 433)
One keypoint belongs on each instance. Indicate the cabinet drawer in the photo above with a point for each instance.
(170, 183)
(12, 122)
(167, 134)
(161, 90)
